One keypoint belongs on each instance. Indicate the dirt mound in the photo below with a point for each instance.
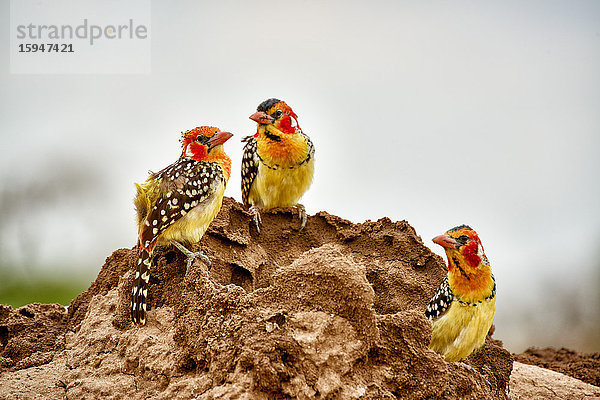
(585, 367)
(532, 382)
(335, 311)
(31, 335)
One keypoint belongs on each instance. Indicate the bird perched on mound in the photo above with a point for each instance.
(463, 308)
(278, 161)
(177, 204)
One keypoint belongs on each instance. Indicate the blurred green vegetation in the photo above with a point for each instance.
(18, 288)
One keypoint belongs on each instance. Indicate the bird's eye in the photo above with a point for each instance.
(277, 114)
(463, 238)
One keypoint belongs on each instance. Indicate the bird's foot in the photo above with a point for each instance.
(302, 215)
(471, 369)
(256, 217)
(467, 366)
(191, 256)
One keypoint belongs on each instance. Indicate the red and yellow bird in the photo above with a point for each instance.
(278, 161)
(462, 310)
(177, 204)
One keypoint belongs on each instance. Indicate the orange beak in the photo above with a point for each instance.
(219, 138)
(262, 118)
(445, 241)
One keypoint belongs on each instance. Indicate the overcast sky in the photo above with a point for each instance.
(440, 113)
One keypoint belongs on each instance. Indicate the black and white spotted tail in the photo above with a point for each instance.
(139, 293)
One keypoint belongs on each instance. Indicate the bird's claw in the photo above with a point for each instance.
(256, 217)
(302, 215)
(204, 258)
(471, 369)
(191, 256)
(467, 366)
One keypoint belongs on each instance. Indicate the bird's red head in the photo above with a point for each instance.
(278, 114)
(463, 248)
(199, 142)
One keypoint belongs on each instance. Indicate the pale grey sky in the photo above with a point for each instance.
(440, 113)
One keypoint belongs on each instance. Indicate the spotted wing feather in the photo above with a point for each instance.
(311, 148)
(187, 184)
(249, 166)
(441, 301)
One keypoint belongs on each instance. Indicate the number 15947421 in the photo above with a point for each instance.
(46, 48)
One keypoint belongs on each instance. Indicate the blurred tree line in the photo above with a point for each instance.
(30, 202)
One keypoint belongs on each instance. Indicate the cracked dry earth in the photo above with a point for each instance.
(333, 312)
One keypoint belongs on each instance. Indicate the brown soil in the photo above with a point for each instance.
(335, 311)
(585, 367)
(531, 382)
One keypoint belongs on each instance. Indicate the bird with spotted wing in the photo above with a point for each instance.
(177, 204)
(462, 309)
(278, 161)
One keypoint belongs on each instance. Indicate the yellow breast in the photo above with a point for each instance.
(462, 329)
(281, 187)
(285, 169)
